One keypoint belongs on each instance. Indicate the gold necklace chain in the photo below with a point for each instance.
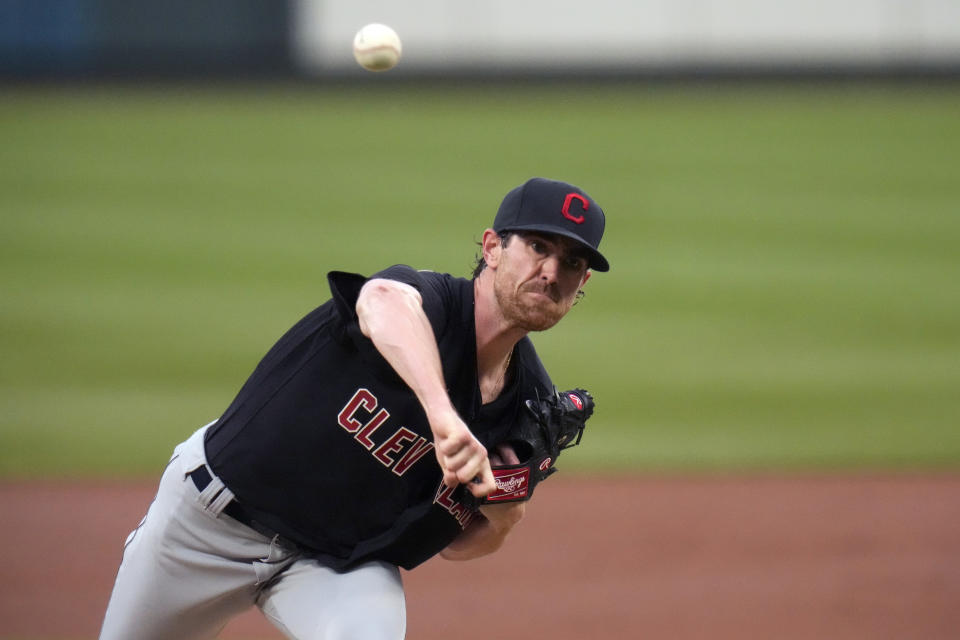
(506, 367)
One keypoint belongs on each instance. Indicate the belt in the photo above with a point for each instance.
(201, 478)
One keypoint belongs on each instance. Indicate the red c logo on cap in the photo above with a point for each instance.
(566, 207)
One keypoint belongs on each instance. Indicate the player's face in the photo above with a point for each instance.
(537, 279)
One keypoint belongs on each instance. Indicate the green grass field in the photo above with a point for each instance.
(780, 295)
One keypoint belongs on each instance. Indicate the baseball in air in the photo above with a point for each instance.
(377, 47)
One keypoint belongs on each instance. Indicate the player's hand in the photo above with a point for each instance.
(463, 459)
(504, 454)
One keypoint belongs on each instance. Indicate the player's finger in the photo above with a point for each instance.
(470, 464)
(483, 483)
(462, 472)
(467, 460)
(449, 475)
(455, 443)
(450, 479)
(506, 454)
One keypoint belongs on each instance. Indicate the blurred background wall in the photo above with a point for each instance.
(100, 38)
(95, 38)
(636, 35)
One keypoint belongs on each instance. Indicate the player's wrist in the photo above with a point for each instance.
(440, 412)
(504, 517)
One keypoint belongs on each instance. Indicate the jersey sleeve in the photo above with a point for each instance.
(345, 289)
(436, 295)
(439, 298)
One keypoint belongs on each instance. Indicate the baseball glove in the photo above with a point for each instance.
(549, 426)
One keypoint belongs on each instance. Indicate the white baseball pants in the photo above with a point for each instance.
(187, 569)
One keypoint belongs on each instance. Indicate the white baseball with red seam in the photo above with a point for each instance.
(377, 47)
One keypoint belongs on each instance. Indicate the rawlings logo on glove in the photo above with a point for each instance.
(513, 483)
(549, 426)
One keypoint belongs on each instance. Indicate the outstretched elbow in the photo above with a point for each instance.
(381, 302)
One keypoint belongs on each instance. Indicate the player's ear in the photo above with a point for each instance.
(491, 244)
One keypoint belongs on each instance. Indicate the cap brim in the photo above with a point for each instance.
(596, 260)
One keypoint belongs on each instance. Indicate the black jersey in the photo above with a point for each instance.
(327, 446)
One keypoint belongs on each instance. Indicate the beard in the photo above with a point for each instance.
(527, 313)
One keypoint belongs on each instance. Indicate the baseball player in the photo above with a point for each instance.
(345, 454)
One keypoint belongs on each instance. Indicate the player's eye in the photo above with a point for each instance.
(575, 263)
(538, 246)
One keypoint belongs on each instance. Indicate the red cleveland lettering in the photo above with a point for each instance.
(415, 452)
(396, 452)
(361, 398)
(444, 498)
(364, 436)
(393, 444)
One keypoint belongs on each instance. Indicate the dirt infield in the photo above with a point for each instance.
(837, 557)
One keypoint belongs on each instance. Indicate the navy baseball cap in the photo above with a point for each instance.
(555, 207)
